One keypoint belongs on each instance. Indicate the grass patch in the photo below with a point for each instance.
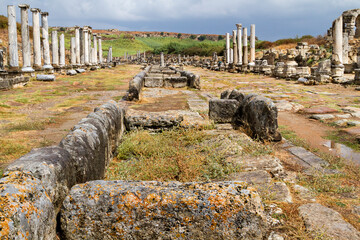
(173, 155)
(25, 126)
(12, 149)
(343, 138)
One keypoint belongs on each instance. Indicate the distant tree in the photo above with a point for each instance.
(162, 33)
(220, 37)
(179, 35)
(192, 37)
(202, 38)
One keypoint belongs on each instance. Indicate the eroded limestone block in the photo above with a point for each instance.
(258, 115)
(26, 210)
(222, 110)
(45, 78)
(53, 166)
(155, 210)
(325, 221)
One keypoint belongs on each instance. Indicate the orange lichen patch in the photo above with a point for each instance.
(18, 194)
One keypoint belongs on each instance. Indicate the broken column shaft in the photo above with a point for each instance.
(25, 38)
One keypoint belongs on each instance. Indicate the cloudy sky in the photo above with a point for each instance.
(274, 19)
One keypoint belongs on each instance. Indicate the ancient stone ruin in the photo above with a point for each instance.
(43, 59)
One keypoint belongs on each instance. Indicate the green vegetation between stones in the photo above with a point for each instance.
(173, 155)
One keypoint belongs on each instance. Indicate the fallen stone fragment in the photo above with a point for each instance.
(308, 159)
(343, 116)
(80, 70)
(353, 123)
(321, 220)
(71, 72)
(45, 78)
(319, 110)
(354, 131)
(259, 177)
(341, 123)
(322, 116)
(304, 193)
(222, 110)
(155, 210)
(279, 192)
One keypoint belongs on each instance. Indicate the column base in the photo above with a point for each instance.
(48, 67)
(337, 71)
(27, 70)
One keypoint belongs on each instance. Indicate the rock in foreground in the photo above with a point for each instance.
(154, 210)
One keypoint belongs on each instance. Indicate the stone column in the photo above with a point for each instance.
(227, 48)
(235, 60)
(55, 48)
(179, 58)
(100, 52)
(89, 47)
(45, 40)
(82, 46)
(25, 38)
(338, 67)
(95, 48)
(36, 37)
(245, 47)
(62, 50)
(86, 46)
(252, 44)
(77, 45)
(1, 60)
(162, 62)
(12, 31)
(239, 43)
(73, 51)
(109, 58)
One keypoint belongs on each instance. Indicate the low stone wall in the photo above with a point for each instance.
(35, 185)
(256, 114)
(193, 81)
(155, 210)
(8, 81)
(136, 84)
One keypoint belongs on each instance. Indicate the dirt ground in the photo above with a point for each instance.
(41, 113)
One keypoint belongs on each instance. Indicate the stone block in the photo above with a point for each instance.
(154, 82)
(222, 110)
(320, 220)
(26, 211)
(71, 72)
(258, 116)
(45, 78)
(53, 166)
(155, 210)
(80, 70)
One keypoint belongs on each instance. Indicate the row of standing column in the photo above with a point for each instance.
(239, 53)
(87, 56)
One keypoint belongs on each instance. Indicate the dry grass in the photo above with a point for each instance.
(173, 155)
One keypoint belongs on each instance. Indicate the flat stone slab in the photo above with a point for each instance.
(267, 163)
(80, 70)
(353, 123)
(222, 110)
(355, 131)
(253, 178)
(283, 106)
(304, 193)
(319, 110)
(341, 122)
(310, 159)
(278, 191)
(155, 210)
(45, 78)
(325, 221)
(154, 82)
(322, 116)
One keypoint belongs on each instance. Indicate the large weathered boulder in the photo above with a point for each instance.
(222, 110)
(258, 116)
(324, 221)
(154, 210)
(89, 145)
(53, 166)
(26, 210)
(135, 85)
